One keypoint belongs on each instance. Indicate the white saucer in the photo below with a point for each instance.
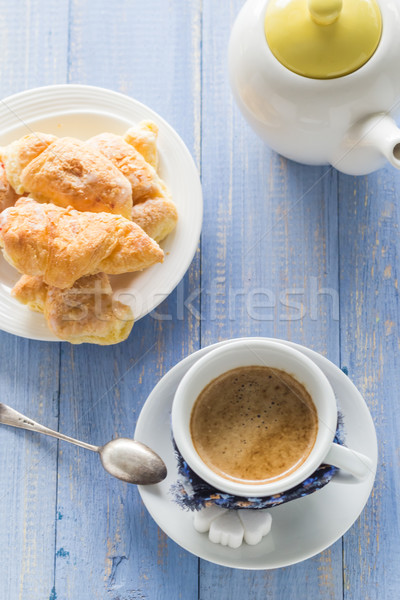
(82, 111)
(301, 528)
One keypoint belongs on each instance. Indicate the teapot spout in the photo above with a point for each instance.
(381, 132)
(368, 143)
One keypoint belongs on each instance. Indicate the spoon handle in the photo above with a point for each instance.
(9, 416)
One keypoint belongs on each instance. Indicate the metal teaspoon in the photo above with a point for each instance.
(123, 458)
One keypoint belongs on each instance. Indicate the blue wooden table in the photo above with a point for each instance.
(301, 253)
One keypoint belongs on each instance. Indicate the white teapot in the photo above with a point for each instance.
(319, 80)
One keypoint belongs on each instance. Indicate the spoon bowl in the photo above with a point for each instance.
(132, 461)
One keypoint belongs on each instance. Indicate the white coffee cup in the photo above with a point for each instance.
(275, 354)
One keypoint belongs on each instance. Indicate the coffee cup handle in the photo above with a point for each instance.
(354, 463)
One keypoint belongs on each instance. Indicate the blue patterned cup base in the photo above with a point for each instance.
(193, 493)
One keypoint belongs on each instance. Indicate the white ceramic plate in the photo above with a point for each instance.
(82, 111)
(301, 528)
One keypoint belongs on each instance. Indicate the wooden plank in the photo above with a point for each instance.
(270, 238)
(33, 47)
(28, 463)
(269, 241)
(33, 44)
(369, 273)
(107, 544)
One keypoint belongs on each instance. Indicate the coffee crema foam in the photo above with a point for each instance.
(254, 424)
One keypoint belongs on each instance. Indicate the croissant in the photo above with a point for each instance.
(31, 291)
(19, 154)
(62, 245)
(70, 172)
(143, 137)
(157, 217)
(142, 177)
(84, 313)
(153, 208)
(8, 196)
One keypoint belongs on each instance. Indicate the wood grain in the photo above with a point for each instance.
(269, 252)
(33, 49)
(28, 463)
(370, 341)
(105, 537)
(287, 251)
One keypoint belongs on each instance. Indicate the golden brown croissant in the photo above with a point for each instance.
(62, 245)
(157, 217)
(70, 172)
(31, 291)
(8, 196)
(143, 137)
(84, 313)
(19, 154)
(142, 177)
(153, 208)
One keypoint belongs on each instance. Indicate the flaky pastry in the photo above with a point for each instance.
(8, 196)
(143, 137)
(153, 208)
(19, 154)
(70, 172)
(62, 245)
(157, 217)
(93, 208)
(141, 175)
(84, 313)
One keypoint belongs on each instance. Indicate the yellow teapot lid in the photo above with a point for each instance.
(323, 39)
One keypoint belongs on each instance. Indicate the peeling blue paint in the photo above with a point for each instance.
(53, 595)
(59, 516)
(62, 553)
